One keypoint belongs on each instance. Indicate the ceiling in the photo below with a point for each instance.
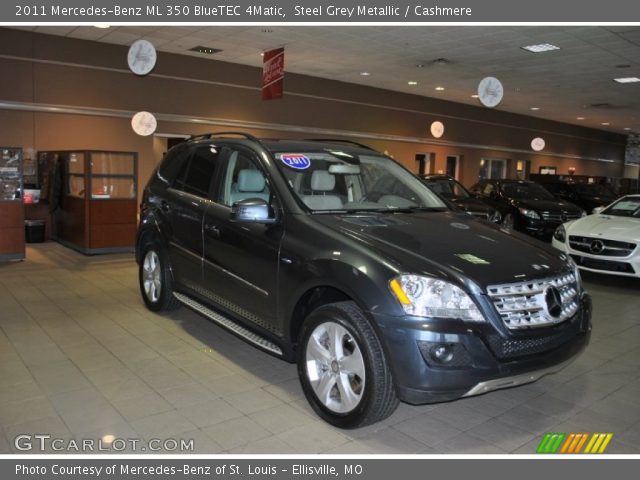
(574, 81)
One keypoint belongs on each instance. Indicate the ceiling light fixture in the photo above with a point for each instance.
(627, 128)
(606, 124)
(541, 47)
(579, 118)
(535, 108)
(440, 89)
(365, 74)
(475, 95)
(205, 50)
(412, 82)
(627, 80)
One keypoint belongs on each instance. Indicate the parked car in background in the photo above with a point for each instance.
(526, 206)
(586, 195)
(605, 242)
(338, 258)
(453, 191)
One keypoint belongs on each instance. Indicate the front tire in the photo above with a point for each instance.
(509, 221)
(343, 369)
(154, 276)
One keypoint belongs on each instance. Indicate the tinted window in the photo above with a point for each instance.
(198, 173)
(173, 163)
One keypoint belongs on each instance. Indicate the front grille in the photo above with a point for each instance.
(559, 217)
(513, 347)
(604, 265)
(601, 246)
(536, 303)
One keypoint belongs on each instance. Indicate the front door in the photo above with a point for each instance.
(240, 258)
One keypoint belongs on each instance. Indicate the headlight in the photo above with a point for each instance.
(560, 234)
(576, 270)
(430, 297)
(496, 217)
(530, 213)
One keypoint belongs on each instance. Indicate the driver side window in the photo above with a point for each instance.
(242, 179)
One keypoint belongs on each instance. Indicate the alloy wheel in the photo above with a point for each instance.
(151, 279)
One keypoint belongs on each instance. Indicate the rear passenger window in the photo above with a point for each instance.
(198, 172)
(174, 163)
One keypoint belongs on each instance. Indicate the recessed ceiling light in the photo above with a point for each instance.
(102, 25)
(205, 50)
(262, 54)
(606, 124)
(365, 74)
(535, 108)
(579, 118)
(627, 80)
(627, 128)
(475, 95)
(440, 89)
(420, 65)
(541, 47)
(412, 82)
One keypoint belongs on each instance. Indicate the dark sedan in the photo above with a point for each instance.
(453, 191)
(526, 206)
(585, 195)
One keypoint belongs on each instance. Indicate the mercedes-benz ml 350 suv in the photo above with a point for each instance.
(338, 258)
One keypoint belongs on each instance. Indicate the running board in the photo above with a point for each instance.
(229, 324)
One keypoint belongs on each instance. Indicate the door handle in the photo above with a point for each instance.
(212, 229)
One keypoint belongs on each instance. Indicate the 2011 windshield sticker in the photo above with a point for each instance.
(296, 160)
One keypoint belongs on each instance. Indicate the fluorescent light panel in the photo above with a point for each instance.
(627, 79)
(541, 47)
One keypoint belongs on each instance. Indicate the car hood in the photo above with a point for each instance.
(545, 205)
(472, 205)
(606, 226)
(439, 242)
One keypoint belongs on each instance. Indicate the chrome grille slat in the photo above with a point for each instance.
(559, 217)
(523, 304)
(611, 248)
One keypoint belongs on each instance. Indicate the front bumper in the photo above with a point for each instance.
(486, 359)
(621, 266)
(541, 229)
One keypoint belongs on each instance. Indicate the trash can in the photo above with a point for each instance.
(34, 231)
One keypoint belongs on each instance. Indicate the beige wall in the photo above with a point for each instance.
(55, 70)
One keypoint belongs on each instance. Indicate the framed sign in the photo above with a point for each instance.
(548, 170)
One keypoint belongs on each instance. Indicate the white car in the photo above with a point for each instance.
(605, 242)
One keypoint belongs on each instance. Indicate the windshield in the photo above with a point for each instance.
(329, 181)
(525, 190)
(449, 189)
(593, 189)
(625, 207)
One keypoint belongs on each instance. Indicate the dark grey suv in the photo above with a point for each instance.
(337, 257)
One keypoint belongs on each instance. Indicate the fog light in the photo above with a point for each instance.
(442, 353)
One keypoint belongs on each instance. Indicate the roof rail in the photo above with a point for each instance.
(205, 136)
(339, 140)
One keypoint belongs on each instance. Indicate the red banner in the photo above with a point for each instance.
(273, 74)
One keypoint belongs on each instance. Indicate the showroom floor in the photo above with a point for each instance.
(81, 358)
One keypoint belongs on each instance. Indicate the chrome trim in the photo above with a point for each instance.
(229, 324)
(514, 381)
(236, 277)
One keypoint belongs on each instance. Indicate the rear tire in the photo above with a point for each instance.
(343, 369)
(154, 277)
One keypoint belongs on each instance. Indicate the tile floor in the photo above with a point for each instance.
(81, 358)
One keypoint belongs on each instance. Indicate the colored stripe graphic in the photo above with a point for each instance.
(573, 443)
(598, 443)
(550, 443)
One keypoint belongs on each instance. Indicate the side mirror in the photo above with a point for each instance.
(252, 210)
(597, 210)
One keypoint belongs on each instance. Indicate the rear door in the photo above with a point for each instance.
(185, 205)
